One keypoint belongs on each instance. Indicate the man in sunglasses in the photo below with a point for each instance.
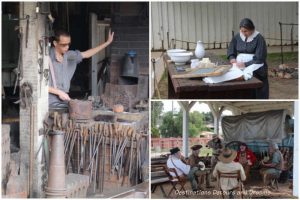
(63, 64)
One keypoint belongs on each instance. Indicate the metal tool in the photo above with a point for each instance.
(27, 30)
(41, 72)
(131, 154)
(41, 46)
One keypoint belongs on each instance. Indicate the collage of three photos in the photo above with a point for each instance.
(150, 99)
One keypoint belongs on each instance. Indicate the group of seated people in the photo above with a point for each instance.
(224, 160)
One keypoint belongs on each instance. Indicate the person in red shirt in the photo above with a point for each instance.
(246, 157)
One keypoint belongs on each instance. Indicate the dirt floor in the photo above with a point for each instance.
(279, 88)
(283, 88)
(253, 190)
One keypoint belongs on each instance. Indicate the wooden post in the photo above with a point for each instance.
(31, 117)
(94, 41)
(217, 112)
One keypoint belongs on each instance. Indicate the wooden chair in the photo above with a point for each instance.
(158, 178)
(177, 180)
(274, 180)
(232, 175)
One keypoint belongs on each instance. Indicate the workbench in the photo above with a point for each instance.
(184, 88)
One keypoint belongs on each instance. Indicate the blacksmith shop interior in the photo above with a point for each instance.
(97, 147)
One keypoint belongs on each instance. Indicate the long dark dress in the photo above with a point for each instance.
(257, 47)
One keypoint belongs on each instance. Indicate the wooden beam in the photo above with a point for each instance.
(183, 104)
(247, 103)
(267, 106)
(191, 104)
(230, 106)
(217, 112)
(186, 105)
(263, 110)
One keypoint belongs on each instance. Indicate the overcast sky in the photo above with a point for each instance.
(200, 107)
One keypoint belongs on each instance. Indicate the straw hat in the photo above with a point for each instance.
(227, 155)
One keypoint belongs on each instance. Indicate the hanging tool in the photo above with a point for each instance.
(27, 30)
(120, 150)
(103, 158)
(96, 147)
(138, 164)
(25, 95)
(75, 135)
(19, 70)
(110, 148)
(131, 154)
(41, 46)
(41, 72)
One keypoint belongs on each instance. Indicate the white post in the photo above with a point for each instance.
(217, 112)
(185, 132)
(186, 106)
(296, 151)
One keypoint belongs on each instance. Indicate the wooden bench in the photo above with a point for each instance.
(158, 176)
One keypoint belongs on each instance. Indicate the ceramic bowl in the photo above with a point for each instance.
(173, 52)
(181, 58)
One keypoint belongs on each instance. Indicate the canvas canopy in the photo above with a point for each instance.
(250, 127)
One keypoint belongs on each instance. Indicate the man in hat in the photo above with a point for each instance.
(216, 145)
(246, 157)
(226, 164)
(176, 161)
(194, 161)
(274, 165)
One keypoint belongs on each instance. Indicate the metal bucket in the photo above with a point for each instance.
(80, 110)
(130, 68)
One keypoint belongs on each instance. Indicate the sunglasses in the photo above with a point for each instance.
(64, 45)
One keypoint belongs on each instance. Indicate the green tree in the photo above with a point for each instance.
(208, 117)
(170, 127)
(172, 124)
(155, 132)
(196, 123)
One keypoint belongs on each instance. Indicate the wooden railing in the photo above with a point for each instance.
(167, 143)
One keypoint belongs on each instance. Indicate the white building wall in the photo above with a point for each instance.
(214, 21)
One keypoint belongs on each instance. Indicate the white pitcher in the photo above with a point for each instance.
(199, 51)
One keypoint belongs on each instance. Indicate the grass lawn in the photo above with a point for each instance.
(272, 58)
(287, 57)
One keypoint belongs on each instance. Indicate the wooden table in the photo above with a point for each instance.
(198, 89)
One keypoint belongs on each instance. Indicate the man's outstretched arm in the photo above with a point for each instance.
(89, 53)
(61, 94)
